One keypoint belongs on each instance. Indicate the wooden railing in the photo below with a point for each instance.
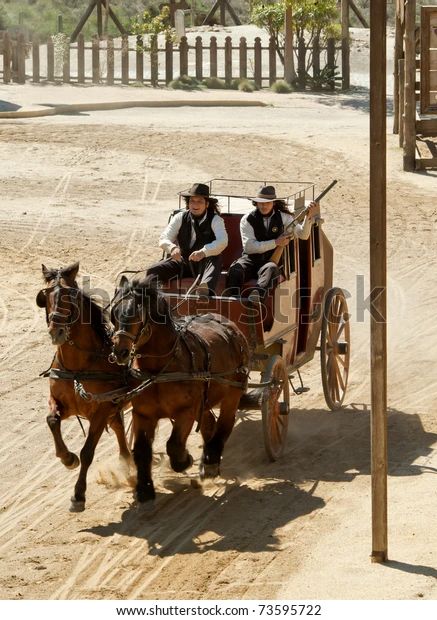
(127, 61)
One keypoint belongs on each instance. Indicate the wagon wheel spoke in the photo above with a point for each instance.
(339, 374)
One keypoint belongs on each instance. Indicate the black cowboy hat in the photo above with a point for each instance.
(266, 193)
(198, 189)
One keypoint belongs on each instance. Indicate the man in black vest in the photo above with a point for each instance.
(261, 232)
(194, 240)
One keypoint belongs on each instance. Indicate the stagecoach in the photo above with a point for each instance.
(302, 315)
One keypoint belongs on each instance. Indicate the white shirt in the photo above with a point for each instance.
(252, 246)
(168, 239)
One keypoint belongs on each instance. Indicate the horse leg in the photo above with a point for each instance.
(207, 425)
(117, 426)
(180, 458)
(213, 448)
(97, 426)
(144, 434)
(69, 459)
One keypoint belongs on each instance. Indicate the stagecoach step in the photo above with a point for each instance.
(301, 389)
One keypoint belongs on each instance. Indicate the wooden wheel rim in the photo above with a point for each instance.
(275, 424)
(335, 348)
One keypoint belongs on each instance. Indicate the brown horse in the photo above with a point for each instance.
(78, 328)
(188, 367)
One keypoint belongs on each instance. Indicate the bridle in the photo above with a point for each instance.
(143, 334)
(55, 316)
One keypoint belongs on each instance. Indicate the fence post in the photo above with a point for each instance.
(316, 59)
(59, 24)
(154, 60)
(331, 61)
(139, 58)
(124, 59)
(301, 63)
(66, 62)
(183, 56)
(258, 63)
(213, 57)
(199, 58)
(272, 61)
(81, 59)
(401, 69)
(35, 59)
(95, 45)
(345, 46)
(228, 61)
(21, 59)
(7, 58)
(243, 58)
(110, 61)
(168, 61)
(50, 60)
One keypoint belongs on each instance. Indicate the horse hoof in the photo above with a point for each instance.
(75, 463)
(209, 471)
(77, 505)
(180, 467)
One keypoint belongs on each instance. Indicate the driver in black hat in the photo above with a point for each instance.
(262, 230)
(194, 239)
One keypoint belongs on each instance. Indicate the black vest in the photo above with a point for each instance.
(204, 232)
(275, 230)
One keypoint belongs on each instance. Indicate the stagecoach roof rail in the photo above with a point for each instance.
(304, 187)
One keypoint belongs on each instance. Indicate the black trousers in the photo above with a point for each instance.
(249, 267)
(209, 269)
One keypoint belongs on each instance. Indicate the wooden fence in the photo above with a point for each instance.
(127, 60)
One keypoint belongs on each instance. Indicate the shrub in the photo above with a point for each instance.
(281, 87)
(246, 86)
(185, 82)
(214, 82)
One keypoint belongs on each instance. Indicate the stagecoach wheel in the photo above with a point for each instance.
(275, 403)
(335, 348)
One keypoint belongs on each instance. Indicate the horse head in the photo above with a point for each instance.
(132, 310)
(59, 298)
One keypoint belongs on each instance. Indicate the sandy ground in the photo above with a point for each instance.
(98, 187)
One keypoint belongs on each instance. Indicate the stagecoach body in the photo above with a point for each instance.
(302, 315)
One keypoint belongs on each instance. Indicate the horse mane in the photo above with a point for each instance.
(99, 319)
(158, 307)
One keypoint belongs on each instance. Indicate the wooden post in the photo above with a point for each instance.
(168, 61)
(139, 57)
(110, 61)
(243, 58)
(213, 57)
(228, 61)
(124, 59)
(50, 60)
(398, 54)
(21, 59)
(222, 13)
(316, 58)
(301, 63)
(410, 86)
(99, 18)
(7, 58)
(183, 56)
(401, 107)
(331, 59)
(345, 46)
(289, 72)
(81, 59)
(199, 58)
(59, 24)
(258, 63)
(272, 61)
(378, 279)
(35, 60)
(95, 44)
(154, 60)
(66, 63)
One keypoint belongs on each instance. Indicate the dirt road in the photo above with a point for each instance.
(98, 188)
